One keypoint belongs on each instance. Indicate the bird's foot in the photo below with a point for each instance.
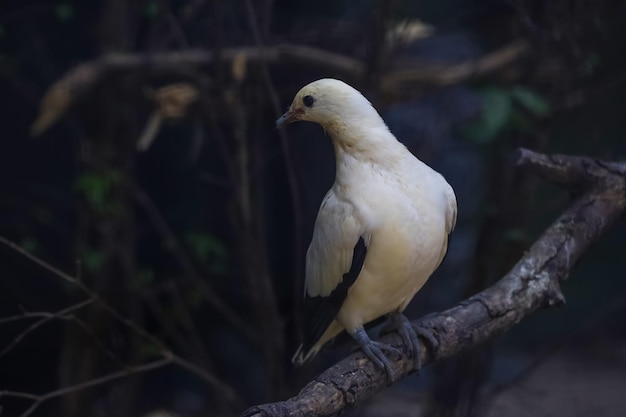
(409, 335)
(374, 351)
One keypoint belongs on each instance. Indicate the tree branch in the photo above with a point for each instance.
(533, 283)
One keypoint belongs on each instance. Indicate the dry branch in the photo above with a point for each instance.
(533, 283)
(79, 81)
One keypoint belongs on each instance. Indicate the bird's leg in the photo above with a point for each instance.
(409, 335)
(374, 351)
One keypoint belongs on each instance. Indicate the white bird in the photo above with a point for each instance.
(381, 231)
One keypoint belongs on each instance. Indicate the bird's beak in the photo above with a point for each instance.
(290, 115)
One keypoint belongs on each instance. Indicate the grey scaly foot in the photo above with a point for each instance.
(410, 335)
(374, 351)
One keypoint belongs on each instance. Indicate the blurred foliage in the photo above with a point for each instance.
(64, 11)
(97, 189)
(591, 64)
(149, 351)
(91, 259)
(151, 10)
(505, 109)
(529, 100)
(209, 251)
(145, 277)
(30, 244)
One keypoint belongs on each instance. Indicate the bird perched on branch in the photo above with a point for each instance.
(381, 231)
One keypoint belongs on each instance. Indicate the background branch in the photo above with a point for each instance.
(78, 81)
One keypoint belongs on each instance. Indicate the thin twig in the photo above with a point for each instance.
(44, 317)
(42, 263)
(224, 389)
(38, 400)
(44, 314)
(60, 315)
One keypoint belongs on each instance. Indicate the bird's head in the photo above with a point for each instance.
(329, 102)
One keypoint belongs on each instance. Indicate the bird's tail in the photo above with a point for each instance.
(304, 353)
(302, 356)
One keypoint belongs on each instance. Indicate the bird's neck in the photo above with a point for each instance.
(363, 148)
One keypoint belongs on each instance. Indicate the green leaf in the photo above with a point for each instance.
(205, 246)
(591, 64)
(497, 107)
(92, 260)
(518, 121)
(144, 278)
(531, 101)
(493, 118)
(43, 215)
(475, 131)
(64, 11)
(29, 244)
(151, 10)
(97, 187)
(194, 297)
(208, 250)
(150, 351)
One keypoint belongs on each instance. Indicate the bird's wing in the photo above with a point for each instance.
(334, 261)
(451, 209)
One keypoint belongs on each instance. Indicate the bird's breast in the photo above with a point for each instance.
(407, 238)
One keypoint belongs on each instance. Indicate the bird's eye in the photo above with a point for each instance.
(308, 101)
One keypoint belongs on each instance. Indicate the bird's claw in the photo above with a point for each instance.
(385, 347)
(409, 335)
(375, 352)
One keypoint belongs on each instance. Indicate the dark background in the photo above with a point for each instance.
(200, 239)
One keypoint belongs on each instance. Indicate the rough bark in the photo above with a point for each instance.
(599, 191)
